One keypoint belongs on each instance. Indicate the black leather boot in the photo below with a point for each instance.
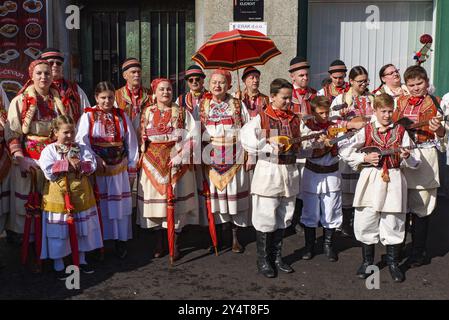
(393, 256)
(328, 245)
(296, 222)
(277, 239)
(263, 240)
(368, 259)
(236, 246)
(347, 226)
(309, 236)
(419, 238)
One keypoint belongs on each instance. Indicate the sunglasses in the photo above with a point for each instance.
(55, 62)
(192, 80)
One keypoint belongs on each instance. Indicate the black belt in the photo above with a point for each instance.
(321, 169)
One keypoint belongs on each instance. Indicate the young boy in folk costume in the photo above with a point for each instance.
(321, 184)
(108, 132)
(27, 134)
(357, 102)
(72, 96)
(168, 134)
(222, 116)
(337, 73)
(420, 107)
(302, 95)
(133, 98)
(68, 195)
(190, 100)
(380, 199)
(275, 182)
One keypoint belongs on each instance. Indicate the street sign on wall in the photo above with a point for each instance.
(248, 10)
(256, 26)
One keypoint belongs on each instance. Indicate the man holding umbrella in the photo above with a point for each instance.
(254, 100)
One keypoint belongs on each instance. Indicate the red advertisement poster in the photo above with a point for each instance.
(23, 35)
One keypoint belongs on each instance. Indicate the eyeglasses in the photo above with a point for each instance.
(192, 80)
(361, 82)
(55, 62)
(391, 73)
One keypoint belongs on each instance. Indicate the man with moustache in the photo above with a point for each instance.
(133, 98)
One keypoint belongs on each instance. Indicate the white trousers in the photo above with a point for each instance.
(324, 208)
(370, 226)
(422, 202)
(272, 213)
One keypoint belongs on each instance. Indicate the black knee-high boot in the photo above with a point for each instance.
(368, 259)
(418, 256)
(393, 258)
(310, 236)
(328, 247)
(277, 240)
(263, 241)
(347, 226)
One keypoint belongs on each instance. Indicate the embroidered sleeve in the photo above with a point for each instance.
(348, 150)
(60, 166)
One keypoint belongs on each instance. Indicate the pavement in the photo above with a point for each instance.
(230, 276)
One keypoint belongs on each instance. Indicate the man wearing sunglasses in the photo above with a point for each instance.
(190, 100)
(73, 97)
(133, 97)
(337, 74)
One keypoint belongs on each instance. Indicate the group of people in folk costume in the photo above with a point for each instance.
(338, 158)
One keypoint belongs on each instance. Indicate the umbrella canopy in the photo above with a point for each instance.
(232, 50)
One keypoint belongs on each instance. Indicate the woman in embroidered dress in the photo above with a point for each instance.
(108, 132)
(358, 101)
(222, 116)
(5, 165)
(65, 162)
(168, 136)
(27, 134)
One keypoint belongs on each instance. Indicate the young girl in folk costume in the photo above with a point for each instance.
(421, 107)
(27, 134)
(380, 199)
(67, 195)
(222, 117)
(109, 133)
(275, 182)
(168, 133)
(358, 101)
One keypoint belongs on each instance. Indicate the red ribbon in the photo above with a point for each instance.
(415, 101)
